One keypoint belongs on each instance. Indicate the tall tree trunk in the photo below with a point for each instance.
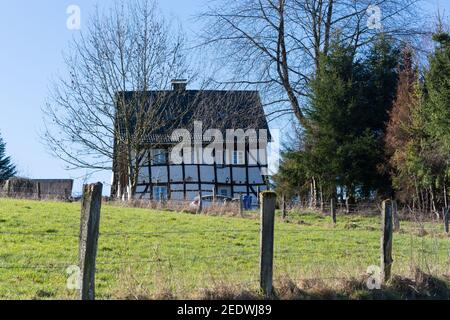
(130, 179)
(422, 201)
(314, 193)
(445, 193)
(419, 205)
(433, 202)
(283, 66)
(321, 198)
(328, 27)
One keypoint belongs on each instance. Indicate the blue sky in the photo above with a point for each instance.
(33, 35)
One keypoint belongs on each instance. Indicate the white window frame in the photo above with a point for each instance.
(159, 191)
(238, 157)
(223, 192)
(158, 156)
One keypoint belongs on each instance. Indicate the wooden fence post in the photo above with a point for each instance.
(90, 223)
(333, 210)
(200, 203)
(268, 205)
(161, 201)
(241, 205)
(446, 214)
(258, 192)
(386, 240)
(8, 188)
(38, 191)
(283, 207)
(395, 216)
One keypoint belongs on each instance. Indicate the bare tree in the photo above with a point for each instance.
(276, 45)
(103, 108)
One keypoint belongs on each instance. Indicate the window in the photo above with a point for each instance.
(160, 193)
(223, 192)
(159, 156)
(238, 157)
(218, 157)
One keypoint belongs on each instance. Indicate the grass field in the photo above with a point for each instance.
(146, 253)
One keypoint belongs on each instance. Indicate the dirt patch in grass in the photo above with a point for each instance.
(44, 294)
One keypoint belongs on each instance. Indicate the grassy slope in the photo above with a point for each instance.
(181, 252)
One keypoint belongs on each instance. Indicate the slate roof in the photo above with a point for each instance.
(216, 109)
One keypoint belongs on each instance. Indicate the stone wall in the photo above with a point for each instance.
(60, 189)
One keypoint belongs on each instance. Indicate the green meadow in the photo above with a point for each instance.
(142, 252)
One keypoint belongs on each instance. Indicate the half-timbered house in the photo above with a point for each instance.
(240, 170)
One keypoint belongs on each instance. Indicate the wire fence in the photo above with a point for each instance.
(219, 206)
(230, 206)
(301, 253)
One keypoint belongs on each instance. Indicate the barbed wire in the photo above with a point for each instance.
(191, 259)
(31, 190)
(58, 265)
(50, 266)
(295, 279)
(279, 253)
(303, 229)
(43, 233)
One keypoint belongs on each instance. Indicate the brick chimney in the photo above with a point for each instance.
(179, 84)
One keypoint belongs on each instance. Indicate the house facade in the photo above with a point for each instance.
(220, 147)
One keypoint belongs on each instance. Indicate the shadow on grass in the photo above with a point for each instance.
(422, 287)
